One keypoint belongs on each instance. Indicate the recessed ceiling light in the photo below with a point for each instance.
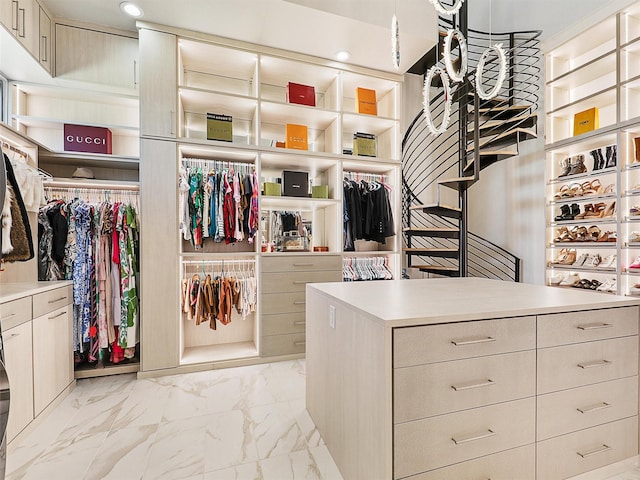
(131, 9)
(343, 55)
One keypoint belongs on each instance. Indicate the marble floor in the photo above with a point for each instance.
(246, 423)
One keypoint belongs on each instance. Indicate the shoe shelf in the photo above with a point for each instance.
(583, 199)
(582, 269)
(588, 220)
(589, 245)
(581, 176)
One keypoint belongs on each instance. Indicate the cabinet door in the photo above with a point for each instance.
(29, 25)
(45, 41)
(96, 57)
(158, 84)
(9, 15)
(19, 365)
(52, 356)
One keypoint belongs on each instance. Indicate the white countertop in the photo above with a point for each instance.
(14, 291)
(420, 302)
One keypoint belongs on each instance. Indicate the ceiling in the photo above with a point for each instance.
(314, 27)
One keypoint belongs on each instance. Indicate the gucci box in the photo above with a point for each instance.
(82, 138)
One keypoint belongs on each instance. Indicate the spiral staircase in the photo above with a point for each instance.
(439, 170)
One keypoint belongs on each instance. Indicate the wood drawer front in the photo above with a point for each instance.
(440, 441)
(290, 344)
(304, 263)
(575, 327)
(586, 450)
(584, 407)
(570, 366)
(283, 303)
(52, 300)
(438, 343)
(427, 390)
(15, 313)
(518, 463)
(282, 282)
(283, 323)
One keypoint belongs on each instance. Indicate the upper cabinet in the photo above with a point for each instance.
(46, 30)
(158, 97)
(21, 18)
(96, 57)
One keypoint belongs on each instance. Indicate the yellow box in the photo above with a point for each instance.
(586, 121)
(272, 189)
(297, 137)
(320, 191)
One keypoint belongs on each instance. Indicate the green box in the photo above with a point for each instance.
(364, 144)
(272, 189)
(219, 127)
(320, 191)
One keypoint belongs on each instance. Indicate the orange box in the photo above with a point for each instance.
(280, 145)
(586, 121)
(366, 101)
(297, 137)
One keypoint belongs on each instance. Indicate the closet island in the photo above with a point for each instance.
(471, 378)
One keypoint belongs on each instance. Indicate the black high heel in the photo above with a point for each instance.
(612, 155)
(565, 211)
(596, 159)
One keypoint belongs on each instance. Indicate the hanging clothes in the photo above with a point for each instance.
(367, 213)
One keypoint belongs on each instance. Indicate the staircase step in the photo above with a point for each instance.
(503, 111)
(432, 232)
(497, 102)
(458, 183)
(439, 210)
(433, 252)
(491, 155)
(439, 269)
(514, 134)
(528, 120)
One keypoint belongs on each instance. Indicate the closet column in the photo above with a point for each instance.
(159, 273)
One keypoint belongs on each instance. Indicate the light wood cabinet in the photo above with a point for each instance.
(19, 364)
(45, 41)
(52, 355)
(22, 19)
(9, 15)
(159, 84)
(96, 57)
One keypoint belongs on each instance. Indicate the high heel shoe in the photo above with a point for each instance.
(577, 165)
(612, 155)
(587, 208)
(565, 164)
(596, 159)
(593, 188)
(598, 210)
(611, 209)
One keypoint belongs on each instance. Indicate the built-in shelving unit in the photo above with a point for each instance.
(597, 68)
(249, 83)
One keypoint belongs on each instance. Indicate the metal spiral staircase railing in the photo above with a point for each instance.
(438, 171)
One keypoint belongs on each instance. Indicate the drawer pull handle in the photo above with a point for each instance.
(58, 315)
(595, 363)
(472, 341)
(594, 326)
(602, 449)
(297, 344)
(593, 408)
(57, 300)
(299, 302)
(303, 264)
(301, 322)
(470, 385)
(8, 316)
(473, 438)
(13, 335)
(300, 282)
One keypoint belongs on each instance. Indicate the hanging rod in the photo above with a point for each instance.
(73, 184)
(214, 262)
(365, 176)
(222, 163)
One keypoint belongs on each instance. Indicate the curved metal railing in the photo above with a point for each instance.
(427, 159)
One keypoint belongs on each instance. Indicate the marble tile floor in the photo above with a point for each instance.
(245, 423)
(628, 469)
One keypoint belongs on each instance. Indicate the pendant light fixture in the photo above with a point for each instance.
(395, 42)
(437, 4)
(456, 76)
(502, 66)
(426, 100)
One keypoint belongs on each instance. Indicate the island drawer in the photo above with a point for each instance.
(579, 452)
(15, 313)
(302, 263)
(453, 341)
(584, 407)
(437, 442)
(426, 390)
(575, 327)
(580, 364)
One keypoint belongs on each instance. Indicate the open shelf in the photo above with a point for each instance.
(218, 353)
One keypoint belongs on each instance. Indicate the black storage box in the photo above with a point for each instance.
(296, 184)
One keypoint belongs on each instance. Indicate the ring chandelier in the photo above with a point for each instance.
(395, 42)
(426, 95)
(448, 61)
(437, 4)
(502, 73)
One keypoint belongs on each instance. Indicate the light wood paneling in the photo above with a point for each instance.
(14, 313)
(437, 343)
(19, 364)
(579, 408)
(283, 302)
(286, 344)
(580, 452)
(159, 275)
(302, 263)
(428, 390)
(560, 329)
(283, 323)
(586, 363)
(52, 300)
(296, 281)
(436, 442)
